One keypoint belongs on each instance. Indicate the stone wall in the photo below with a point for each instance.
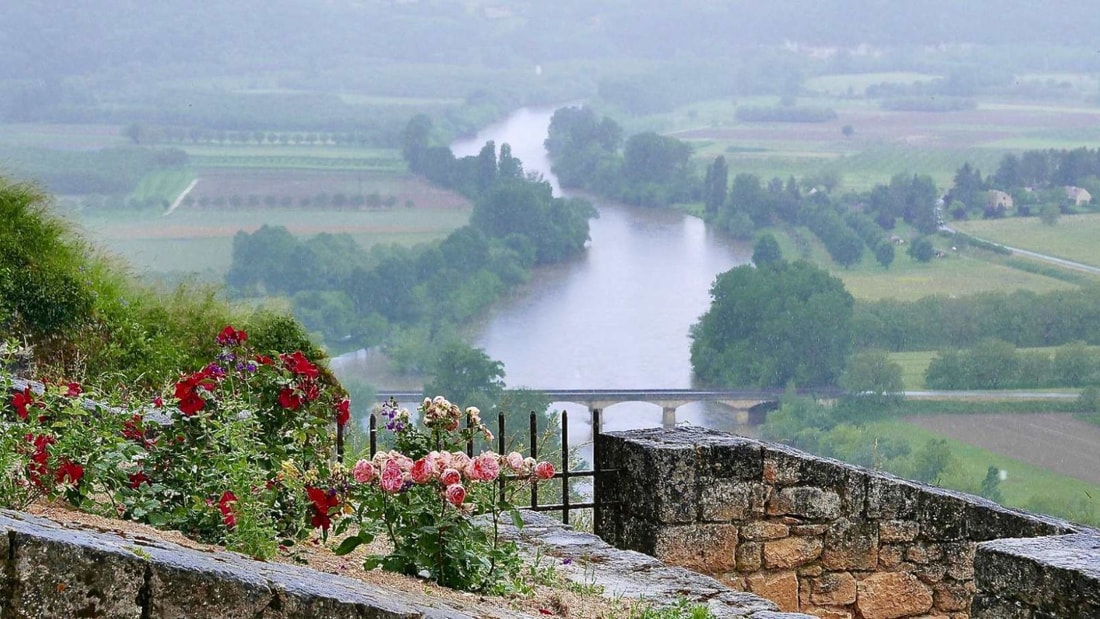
(50, 570)
(1038, 578)
(812, 534)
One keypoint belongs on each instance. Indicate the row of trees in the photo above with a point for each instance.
(996, 364)
(1022, 318)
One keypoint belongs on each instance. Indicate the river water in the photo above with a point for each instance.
(616, 317)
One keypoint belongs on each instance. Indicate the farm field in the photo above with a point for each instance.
(63, 137)
(1074, 237)
(1027, 485)
(884, 142)
(959, 273)
(199, 239)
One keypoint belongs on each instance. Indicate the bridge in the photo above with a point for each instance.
(753, 404)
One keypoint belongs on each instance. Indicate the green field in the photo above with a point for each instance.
(1074, 237)
(1023, 485)
(960, 272)
(163, 186)
(841, 84)
(202, 240)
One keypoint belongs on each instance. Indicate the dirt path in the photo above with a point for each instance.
(1054, 441)
(179, 198)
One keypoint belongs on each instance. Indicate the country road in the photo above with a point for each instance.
(1069, 264)
(179, 198)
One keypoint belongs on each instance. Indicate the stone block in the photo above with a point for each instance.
(186, 589)
(897, 531)
(892, 595)
(958, 557)
(890, 556)
(809, 530)
(829, 613)
(69, 574)
(732, 458)
(763, 530)
(833, 589)
(706, 548)
(892, 498)
(791, 552)
(749, 556)
(952, 596)
(931, 573)
(924, 553)
(782, 464)
(779, 587)
(805, 502)
(725, 500)
(851, 545)
(942, 516)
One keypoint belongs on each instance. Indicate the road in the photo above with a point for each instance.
(1069, 264)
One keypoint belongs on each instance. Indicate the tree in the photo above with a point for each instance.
(1050, 214)
(715, 186)
(933, 460)
(991, 485)
(847, 131)
(766, 251)
(873, 382)
(789, 323)
(884, 253)
(467, 376)
(921, 250)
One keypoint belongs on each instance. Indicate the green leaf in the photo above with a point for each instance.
(373, 562)
(351, 543)
(517, 518)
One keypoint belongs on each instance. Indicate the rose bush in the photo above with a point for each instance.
(426, 494)
(226, 454)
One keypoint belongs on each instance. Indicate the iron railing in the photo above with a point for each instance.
(563, 469)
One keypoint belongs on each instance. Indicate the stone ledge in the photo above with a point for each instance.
(632, 574)
(1056, 575)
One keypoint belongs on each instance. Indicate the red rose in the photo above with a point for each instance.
(136, 479)
(231, 337)
(192, 404)
(73, 390)
(290, 400)
(225, 506)
(322, 502)
(71, 470)
(343, 412)
(21, 400)
(298, 365)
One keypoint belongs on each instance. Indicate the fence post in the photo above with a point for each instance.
(373, 434)
(501, 482)
(565, 467)
(597, 429)
(535, 455)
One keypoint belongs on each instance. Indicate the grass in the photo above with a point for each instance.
(841, 84)
(197, 240)
(164, 185)
(1073, 237)
(960, 273)
(913, 365)
(1025, 482)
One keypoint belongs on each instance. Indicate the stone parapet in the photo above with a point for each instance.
(1039, 577)
(50, 570)
(812, 534)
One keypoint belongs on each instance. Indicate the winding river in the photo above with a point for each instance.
(618, 317)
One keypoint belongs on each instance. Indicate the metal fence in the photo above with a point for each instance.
(563, 470)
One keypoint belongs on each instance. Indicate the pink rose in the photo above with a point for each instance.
(421, 471)
(515, 461)
(456, 494)
(459, 460)
(544, 470)
(392, 478)
(364, 472)
(486, 467)
(450, 477)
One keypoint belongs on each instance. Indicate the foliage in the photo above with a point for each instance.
(766, 251)
(786, 323)
(921, 250)
(991, 485)
(996, 364)
(423, 496)
(933, 461)
(222, 456)
(872, 380)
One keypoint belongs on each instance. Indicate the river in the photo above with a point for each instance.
(617, 317)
